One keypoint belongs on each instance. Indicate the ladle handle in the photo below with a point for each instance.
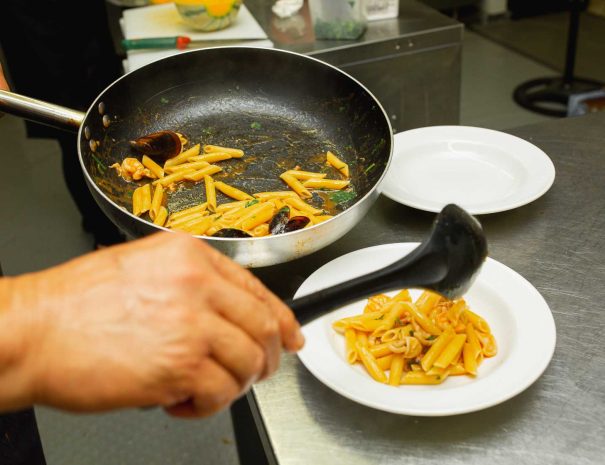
(414, 270)
(40, 111)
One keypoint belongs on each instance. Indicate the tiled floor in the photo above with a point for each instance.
(544, 38)
(490, 74)
(135, 438)
(40, 227)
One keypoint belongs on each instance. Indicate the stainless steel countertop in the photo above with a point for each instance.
(558, 244)
(414, 27)
(296, 33)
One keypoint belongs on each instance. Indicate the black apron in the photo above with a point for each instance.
(58, 50)
(61, 51)
(19, 439)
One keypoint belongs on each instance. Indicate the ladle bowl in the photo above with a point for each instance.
(446, 262)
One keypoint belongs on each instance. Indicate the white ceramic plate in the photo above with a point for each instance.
(518, 315)
(481, 170)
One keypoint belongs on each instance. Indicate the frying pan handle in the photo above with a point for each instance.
(40, 111)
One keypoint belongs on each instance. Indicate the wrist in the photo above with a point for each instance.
(17, 337)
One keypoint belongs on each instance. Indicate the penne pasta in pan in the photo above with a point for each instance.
(255, 214)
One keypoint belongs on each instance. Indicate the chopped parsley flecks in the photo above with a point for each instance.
(369, 168)
(342, 196)
(100, 165)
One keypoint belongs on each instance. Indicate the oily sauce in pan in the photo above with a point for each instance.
(272, 142)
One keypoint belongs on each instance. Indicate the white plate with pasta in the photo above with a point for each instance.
(521, 324)
(482, 170)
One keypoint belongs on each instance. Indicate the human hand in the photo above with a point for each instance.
(3, 83)
(166, 320)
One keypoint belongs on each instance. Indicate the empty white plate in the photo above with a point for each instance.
(481, 170)
(520, 321)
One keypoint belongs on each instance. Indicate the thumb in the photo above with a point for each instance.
(3, 83)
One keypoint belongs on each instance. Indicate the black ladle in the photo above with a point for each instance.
(447, 262)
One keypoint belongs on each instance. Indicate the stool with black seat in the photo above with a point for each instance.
(550, 96)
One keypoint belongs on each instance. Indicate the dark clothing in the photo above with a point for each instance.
(94, 220)
(19, 439)
(61, 51)
(58, 50)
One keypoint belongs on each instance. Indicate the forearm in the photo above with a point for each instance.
(16, 361)
(138, 324)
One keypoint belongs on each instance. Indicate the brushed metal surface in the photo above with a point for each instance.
(418, 88)
(558, 244)
(412, 63)
(416, 21)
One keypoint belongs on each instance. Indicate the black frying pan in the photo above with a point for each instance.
(282, 108)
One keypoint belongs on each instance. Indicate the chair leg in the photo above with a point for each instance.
(550, 96)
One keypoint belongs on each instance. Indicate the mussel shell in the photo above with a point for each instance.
(160, 145)
(279, 221)
(231, 232)
(296, 223)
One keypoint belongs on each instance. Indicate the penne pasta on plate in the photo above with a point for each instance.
(423, 342)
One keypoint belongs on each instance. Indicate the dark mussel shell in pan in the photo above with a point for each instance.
(161, 145)
(231, 232)
(279, 221)
(296, 223)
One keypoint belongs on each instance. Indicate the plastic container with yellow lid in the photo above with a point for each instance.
(208, 15)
